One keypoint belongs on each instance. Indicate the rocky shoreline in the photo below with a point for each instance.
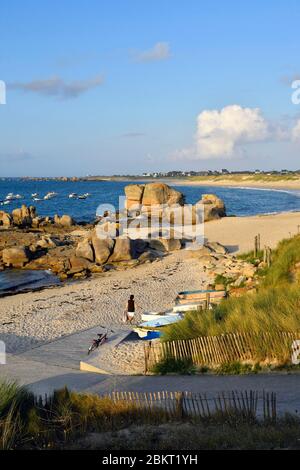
(72, 250)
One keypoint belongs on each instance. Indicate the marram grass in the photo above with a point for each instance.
(274, 307)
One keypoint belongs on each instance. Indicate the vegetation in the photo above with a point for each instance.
(171, 365)
(213, 435)
(77, 421)
(274, 307)
(244, 177)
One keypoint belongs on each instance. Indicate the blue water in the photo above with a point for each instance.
(240, 202)
(18, 280)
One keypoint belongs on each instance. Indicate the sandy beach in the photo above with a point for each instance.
(243, 182)
(30, 319)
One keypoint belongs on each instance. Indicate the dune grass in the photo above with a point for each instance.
(71, 420)
(274, 307)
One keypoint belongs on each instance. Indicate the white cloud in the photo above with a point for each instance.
(56, 86)
(220, 133)
(160, 51)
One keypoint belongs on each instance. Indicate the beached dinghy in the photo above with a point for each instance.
(155, 325)
(197, 296)
(189, 307)
(148, 316)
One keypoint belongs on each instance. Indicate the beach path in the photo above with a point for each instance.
(237, 233)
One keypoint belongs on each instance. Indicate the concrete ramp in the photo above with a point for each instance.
(97, 360)
(70, 350)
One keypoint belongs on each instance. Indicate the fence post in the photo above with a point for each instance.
(255, 246)
(179, 405)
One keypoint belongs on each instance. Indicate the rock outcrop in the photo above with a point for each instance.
(5, 219)
(103, 248)
(214, 207)
(15, 257)
(151, 194)
(23, 216)
(64, 221)
(85, 250)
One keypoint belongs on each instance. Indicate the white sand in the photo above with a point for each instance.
(31, 318)
(237, 233)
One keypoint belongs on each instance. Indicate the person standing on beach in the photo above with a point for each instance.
(130, 310)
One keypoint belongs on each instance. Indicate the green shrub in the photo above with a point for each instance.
(171, 365)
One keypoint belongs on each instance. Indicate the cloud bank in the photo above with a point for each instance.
(219, 133)
(57, 87)
(226, 132)
(160, 51)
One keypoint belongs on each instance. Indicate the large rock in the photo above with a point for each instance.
(161, 193)
(108, 229)
(15, 257)
(47, 241)
(23, 216)
(214, 207)
(123, 250)
(78, 264)
(217, 248)
(5, 219)
(103, 248)
(85, 250)
(165, 244)
(134, 195)
(64, 221)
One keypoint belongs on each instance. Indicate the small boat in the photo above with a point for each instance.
(198, 296)
(148, 316)
(37, 199)
(12, 197)
(82, 196)
(189, 307)
(73, 196)
(34, 195)
(155, 325)
(7, 202)
(50, 195)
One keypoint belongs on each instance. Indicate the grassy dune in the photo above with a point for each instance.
(274, 307)
(244, 177)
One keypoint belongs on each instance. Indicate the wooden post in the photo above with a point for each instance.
(258, 242)
(207, 300)
(268, 256)
(255, 246)
(265, 254)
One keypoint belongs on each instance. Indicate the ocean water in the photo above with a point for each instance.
(239, 201)
(18, 280)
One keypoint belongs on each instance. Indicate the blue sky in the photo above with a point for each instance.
(108, 87)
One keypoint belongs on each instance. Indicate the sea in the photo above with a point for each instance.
(240, 201)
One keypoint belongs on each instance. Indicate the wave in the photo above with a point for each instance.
(293, 192)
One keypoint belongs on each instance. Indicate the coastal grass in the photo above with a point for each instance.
(69, 420)
(275, 307)
(211, 435)
(244, 177)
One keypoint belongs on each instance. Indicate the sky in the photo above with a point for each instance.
(125, 87)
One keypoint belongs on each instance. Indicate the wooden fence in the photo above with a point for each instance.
(179, 405)
(212, 351)
(164, 406)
